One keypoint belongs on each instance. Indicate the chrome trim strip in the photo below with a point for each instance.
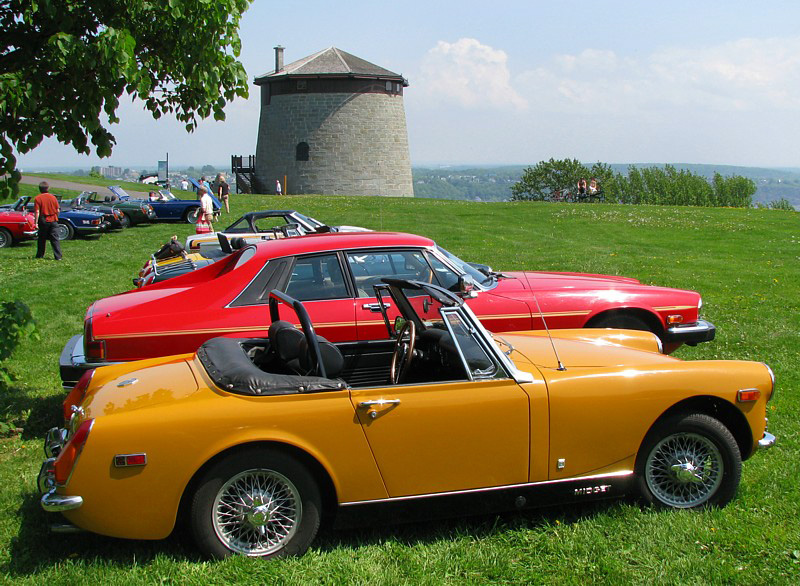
(488, 489)
(771, 376)
(767, 441)
(55, 503)
(674, 307)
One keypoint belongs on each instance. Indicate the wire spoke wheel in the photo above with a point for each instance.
(257, 512)
(684, 470)
(689, 461)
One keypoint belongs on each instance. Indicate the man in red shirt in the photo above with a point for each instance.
(46, 208)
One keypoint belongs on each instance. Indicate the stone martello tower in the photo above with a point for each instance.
(332, 123)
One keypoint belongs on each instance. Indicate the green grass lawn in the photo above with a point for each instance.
(744, 262)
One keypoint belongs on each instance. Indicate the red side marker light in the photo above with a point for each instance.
(748, 395)
(127, 460)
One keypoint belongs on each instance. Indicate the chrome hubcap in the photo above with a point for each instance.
(684, 470)
(256, 512)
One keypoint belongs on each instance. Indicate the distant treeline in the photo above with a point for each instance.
(658, 185)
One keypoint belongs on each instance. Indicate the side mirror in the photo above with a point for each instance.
(399, 322)
(466, 287)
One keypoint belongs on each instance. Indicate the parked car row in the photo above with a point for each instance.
(439, 385)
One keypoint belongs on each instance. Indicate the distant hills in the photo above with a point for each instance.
(494, 183)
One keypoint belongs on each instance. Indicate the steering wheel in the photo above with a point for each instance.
(403, 352)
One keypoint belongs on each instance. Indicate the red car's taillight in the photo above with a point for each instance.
(95, 350)
(77, 393)
(69, 453)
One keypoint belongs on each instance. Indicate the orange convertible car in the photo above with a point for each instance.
(257, 440)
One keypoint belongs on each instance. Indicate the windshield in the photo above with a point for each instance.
(479, 277)
(166, 195)
(310, 221)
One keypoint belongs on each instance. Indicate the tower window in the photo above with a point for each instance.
(301, 152)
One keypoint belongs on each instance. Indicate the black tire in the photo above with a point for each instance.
(689, 461)
(228, 514)
(126, 221)
(6, 239)
(64, 231)
(191, 215)
(623, 321)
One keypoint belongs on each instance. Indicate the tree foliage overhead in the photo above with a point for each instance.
(64, 64)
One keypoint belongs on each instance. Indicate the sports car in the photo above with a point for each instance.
(168, 207)
(334, 274)
(267, 225)
(135, 211)
(256, 440)
(71, 222)
(16, 226)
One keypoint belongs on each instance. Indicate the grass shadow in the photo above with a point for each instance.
(28, 557)
(35, 415)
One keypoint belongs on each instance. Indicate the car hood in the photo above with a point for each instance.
(139, 385)
(584, 348)
(589, 287)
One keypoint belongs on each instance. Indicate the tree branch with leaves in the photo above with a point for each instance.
(65, 64)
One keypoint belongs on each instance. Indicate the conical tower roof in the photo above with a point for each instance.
(331, 62)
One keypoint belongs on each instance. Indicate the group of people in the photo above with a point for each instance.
(584, 189)
(221, 189)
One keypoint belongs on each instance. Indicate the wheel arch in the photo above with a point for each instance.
(728, 415)
(649, 317)
(317, 470)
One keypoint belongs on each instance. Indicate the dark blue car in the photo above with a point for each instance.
(169, 207)
(71, 222)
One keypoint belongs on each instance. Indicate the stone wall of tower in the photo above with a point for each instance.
(357, 144)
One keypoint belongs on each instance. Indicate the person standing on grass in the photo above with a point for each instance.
(223, 191)
(206, 206)
(46, 208)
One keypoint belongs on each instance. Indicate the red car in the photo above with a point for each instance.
(334, 275)
(16, 226)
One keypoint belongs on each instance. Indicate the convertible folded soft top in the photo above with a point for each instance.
(231, 369)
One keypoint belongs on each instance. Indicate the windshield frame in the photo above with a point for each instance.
(482, 280)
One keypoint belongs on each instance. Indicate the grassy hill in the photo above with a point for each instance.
(744, 262)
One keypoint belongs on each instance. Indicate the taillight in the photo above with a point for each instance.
(77, 394)
(95, 350)
(70, 452)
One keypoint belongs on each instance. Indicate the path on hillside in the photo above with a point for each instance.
(58, 184)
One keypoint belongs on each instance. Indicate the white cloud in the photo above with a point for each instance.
(468, 73)
(742, 75)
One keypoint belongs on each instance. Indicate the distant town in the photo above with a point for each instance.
(465, 182)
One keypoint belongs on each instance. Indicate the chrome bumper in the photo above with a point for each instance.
(72, 362)
(691, 334)
(767, 441)
(46, 483)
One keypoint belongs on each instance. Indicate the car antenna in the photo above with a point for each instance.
(549, 337)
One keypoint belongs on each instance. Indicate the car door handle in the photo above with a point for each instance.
(376, 307)
(378, 403)
(371, 406)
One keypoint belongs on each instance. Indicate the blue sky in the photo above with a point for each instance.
(511, 82)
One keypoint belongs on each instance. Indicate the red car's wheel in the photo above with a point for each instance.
(5, 238)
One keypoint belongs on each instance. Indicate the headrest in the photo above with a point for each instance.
(238, 242)
(287, 343)
(331, 357)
